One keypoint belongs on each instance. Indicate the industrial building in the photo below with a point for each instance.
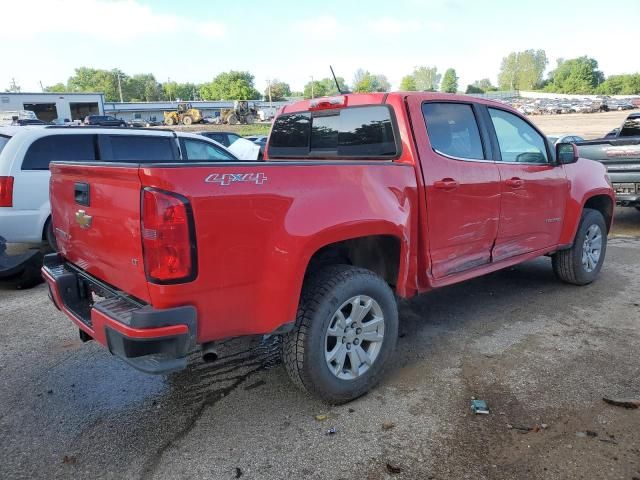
(49, 106)
(154, 111)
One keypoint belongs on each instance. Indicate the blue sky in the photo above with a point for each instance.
(294, 40)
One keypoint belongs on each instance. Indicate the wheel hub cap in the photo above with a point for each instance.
(591, 248)
(354, 337)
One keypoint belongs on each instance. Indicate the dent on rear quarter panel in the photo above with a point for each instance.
(587, 178)
(255, 240)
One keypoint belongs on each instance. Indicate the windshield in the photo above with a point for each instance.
(347, 133)
(3, 141)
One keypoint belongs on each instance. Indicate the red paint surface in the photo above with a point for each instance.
(454, 220)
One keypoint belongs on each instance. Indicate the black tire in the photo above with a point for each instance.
(303, 349)
(49, 236)
(568, 265)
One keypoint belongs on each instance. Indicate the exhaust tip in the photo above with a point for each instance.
(209, 353)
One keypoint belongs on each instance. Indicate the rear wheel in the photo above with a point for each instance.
(233, 119)
(168, 121)
(187, 120)
(49, 236)
(581, 264)
(345, 333)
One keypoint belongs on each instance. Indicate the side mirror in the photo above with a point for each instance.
(566, 153)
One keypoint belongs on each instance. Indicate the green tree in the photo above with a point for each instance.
(473, 89)
(578, 75)
(450, 81)
(142, 87)
(95, 80)
(232, 85)
(314, 89)
(485, 85)
(408, 84)
(427, 78)
(522, 70)
(628, 84)
(56, 88)
(279, 91)
(324, 87)
(364, 81)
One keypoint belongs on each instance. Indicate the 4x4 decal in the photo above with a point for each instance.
(229, 178)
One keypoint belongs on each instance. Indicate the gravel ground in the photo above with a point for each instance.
(539, 352)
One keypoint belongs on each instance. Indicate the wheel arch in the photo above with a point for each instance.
(604, 204)
(380, 253)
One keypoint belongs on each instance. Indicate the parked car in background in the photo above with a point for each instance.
(8, 117)
(363, 198)
(223, 138)
(260, 140)
(619, 151)
(241, 147)
(104, 121)
(565, 138)
(25, 154)
(61, 121)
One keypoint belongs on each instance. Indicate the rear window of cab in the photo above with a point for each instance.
(354, 132)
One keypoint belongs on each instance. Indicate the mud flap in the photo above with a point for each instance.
(22, 270)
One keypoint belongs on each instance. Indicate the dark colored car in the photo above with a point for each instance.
(104, 121)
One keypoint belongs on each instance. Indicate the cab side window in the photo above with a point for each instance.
(453, 130)
(518, 140)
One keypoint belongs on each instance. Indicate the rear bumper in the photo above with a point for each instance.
(627, 188)
(21, 226)
(150, 340)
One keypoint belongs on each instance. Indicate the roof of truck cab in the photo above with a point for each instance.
(355, 99)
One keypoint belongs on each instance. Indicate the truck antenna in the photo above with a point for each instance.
(336, 80)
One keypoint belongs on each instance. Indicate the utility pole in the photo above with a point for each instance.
(41, 86)
(169, 88)
(312, 86)
(119, 87)
(269, 88)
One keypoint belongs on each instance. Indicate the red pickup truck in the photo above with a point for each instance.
(361, 198)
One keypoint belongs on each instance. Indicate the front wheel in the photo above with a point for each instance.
(581, 264)
(345, 332)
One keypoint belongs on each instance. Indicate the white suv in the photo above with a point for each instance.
(25, 153)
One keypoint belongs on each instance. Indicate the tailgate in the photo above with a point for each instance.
(96, 219)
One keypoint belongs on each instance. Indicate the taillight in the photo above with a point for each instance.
(168, 237)
(6, 191)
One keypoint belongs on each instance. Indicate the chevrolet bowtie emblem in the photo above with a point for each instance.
(83, 219)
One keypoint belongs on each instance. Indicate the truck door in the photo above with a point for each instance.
(534, 189)
(462, 184)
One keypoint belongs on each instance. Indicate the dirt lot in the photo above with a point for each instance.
(589, 125)
(539, 352)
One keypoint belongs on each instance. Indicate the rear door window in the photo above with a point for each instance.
(348, 133)
(138, 148)
(61, 148)
(453, 130)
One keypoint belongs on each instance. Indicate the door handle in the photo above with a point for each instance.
(446, 184)
(514, 182)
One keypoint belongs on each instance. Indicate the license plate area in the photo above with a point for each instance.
(626, 188)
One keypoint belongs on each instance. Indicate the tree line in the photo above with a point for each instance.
(518, 71)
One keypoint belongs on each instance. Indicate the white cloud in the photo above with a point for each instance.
(394, 25)
(102, 20)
